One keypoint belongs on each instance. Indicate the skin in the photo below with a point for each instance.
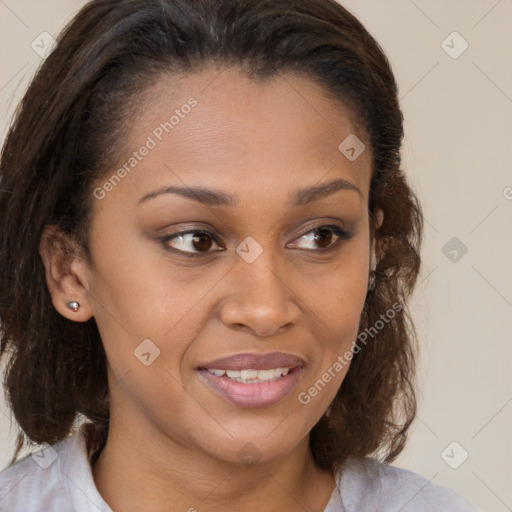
(172, 439)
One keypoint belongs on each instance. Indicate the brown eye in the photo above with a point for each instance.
(202, 242)
(325, 237)
(198, 241)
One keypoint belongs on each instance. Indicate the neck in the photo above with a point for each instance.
(142, 469)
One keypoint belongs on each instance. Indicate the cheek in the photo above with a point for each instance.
(137, 289)
(143, 297)
(336, 293)
(337, 299)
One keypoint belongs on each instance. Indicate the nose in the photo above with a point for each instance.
(261, 299)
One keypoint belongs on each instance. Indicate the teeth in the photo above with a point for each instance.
(251, 376)
(248, 374)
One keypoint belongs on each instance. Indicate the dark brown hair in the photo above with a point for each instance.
(69, 129)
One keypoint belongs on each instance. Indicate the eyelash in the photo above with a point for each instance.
(340, 233)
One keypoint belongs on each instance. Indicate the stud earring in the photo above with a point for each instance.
(73, 305)
(371, 281)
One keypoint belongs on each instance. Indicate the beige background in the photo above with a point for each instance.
(457, 152)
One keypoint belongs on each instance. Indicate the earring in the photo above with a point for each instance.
(328, 411)
(371, 281)
(73, 305)
(371, 274)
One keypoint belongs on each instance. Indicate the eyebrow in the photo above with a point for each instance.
(213, 197)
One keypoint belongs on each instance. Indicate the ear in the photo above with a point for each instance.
(66, 273)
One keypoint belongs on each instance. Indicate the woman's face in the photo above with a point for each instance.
(248, 276)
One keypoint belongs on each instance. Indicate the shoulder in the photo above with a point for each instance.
(56, 478)
(33, 478)
(370, 485)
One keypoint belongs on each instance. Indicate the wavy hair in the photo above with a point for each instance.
(68, 131)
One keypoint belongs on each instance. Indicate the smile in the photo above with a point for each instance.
(252, 388)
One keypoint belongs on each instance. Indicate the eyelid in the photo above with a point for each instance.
(334, 227)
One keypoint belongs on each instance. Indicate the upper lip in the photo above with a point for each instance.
(249, 361)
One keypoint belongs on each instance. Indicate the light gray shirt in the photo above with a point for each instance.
(59, 479)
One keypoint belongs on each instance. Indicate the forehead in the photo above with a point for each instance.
(220, 127)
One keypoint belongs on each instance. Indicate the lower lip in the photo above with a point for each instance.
(256, 394)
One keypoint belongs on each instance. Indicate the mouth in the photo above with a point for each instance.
(251, 379)
(251, 388)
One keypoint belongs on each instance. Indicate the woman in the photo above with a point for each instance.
(207, 248)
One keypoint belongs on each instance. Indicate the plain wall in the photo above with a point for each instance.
(457, 153)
